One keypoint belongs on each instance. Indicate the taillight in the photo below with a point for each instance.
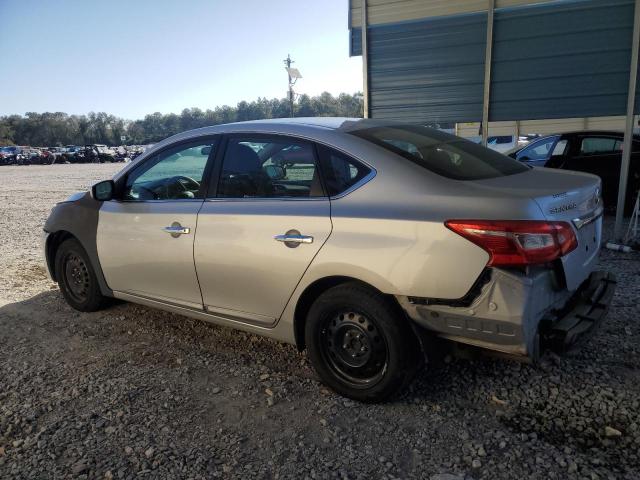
(518, 242)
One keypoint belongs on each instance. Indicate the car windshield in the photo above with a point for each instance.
(441, 153)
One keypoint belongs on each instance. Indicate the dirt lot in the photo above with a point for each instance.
(136, 393)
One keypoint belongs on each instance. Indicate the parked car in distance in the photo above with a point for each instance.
(8, 155)
(596, 152)
(14, 155)
(363, 242)
(56, 154)
(504, 143)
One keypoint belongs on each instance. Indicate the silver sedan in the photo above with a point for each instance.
(369, 244)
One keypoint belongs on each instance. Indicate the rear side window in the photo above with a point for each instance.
(339, 171)
(265, 167)
(500, 140)
(600, 145)
(443, 154)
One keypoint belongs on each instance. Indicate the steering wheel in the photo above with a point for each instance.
(187, 183)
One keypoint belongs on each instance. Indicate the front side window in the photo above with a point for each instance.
(600, 145)
(443, 154)
(560, 148)
(538, 150)
(173, 174)
(269, 167)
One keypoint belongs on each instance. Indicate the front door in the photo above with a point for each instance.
(145, 238)
(600, 156)
(262, 227)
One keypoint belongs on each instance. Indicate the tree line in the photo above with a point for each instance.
(58, 128)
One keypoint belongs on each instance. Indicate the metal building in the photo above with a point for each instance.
(504, 63)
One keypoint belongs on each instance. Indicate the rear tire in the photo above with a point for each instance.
(76, 277)
(360, 343)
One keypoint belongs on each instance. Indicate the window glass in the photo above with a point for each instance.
(173, 174)
(500, 140)
(340, 172)
(443, 154)
(560, 148)
(269, 167)
(539, 150)
(600, 145)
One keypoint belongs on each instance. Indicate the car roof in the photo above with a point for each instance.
(609, 133)
(323, 122)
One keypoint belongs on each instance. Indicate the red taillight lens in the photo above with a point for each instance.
(518, 242)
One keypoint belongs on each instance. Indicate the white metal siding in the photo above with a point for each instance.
(391, 11)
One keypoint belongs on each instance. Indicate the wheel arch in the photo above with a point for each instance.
(76, 218)
(54, 240)
(317, 288)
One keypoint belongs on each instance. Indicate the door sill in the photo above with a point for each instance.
(238, 315)
(197, 311)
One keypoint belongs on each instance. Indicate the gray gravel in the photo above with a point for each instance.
(132, 392)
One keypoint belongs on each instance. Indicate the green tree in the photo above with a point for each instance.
(59, 128)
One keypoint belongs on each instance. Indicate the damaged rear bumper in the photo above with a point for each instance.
(518, 314)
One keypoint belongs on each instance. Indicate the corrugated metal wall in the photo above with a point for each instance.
(561, 60)
(428, 71)
(558, 59)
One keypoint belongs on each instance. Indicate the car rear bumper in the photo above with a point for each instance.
(518, 314)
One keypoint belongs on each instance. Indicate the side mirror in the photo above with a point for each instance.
(205, 151)
(103, 191)
(275, 172)
(523, 158)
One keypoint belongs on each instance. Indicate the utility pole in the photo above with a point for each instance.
(293, 75)
(288, 63)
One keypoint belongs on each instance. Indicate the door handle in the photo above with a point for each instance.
(175, 230)
(293, 238)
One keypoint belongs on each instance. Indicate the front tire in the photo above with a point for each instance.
(76, 277)
(360, 343)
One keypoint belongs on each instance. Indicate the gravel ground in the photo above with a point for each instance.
(132, 392)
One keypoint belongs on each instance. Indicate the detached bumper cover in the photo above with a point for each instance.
(582, 316)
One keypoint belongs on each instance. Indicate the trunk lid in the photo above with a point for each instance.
(572, 197)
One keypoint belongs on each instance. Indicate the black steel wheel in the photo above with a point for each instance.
(76, 277)
(354, 349)
(360, 343)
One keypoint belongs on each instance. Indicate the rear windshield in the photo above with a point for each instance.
(442, 153)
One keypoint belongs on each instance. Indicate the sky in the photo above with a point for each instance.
(134, 57)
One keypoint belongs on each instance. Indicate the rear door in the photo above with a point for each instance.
(264, 220)
(145, 238)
